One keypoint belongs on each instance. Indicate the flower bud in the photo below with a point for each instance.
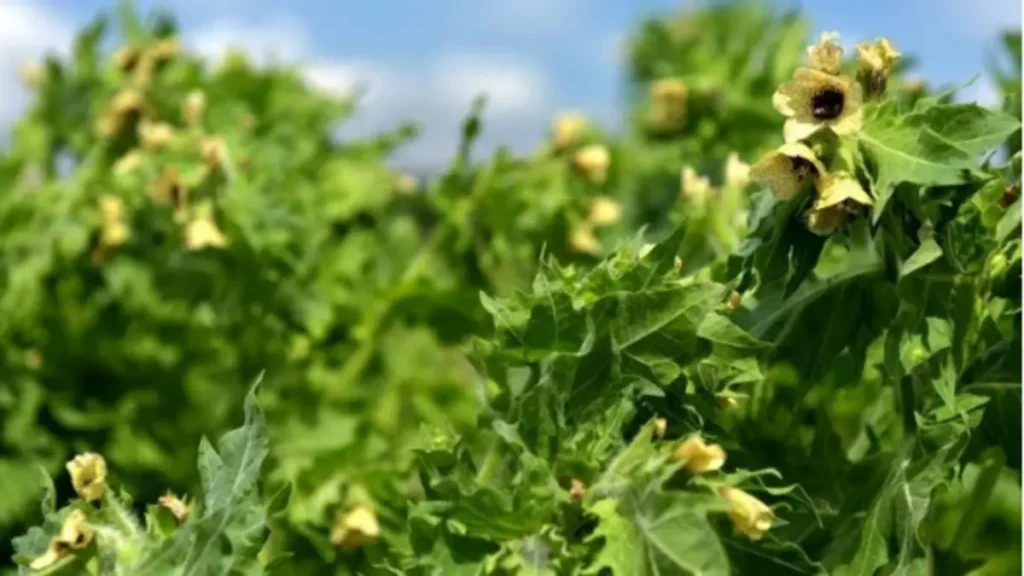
(750, 516)
(699, 457)
(88, 476)
(177, 507)
(827, 55)
(155, 135)
(604, 211)
(567, 129)
(583, 241)
(193, 109)
(694, 187)
(593, 161)
(576, 491)
(660, 427)
(737, 172)
(31, 74)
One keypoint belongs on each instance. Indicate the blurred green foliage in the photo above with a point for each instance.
(500, 361)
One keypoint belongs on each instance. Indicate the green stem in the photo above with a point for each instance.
(993, 461)
(491, 462)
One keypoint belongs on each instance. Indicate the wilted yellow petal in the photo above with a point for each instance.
(667, 104)
(169, 188)
(604, 211)
(356, 528)
(698, 457)
(88, 476)
(751, 516)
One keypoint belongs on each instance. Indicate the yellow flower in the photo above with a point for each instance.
(88, 476)
(737, 172)
(583, 241)
(814, 100)
(827, 55)
(694, 187)
(593, 161)
(840, 189)
(31, 74)
(142, 72)
(576, 490)
(734, 301)
(75, 534)
(751, 516)
(213, 149)
(698, 457)
(356, 528)
(839, 197)
(567, 129)
(164, 49)
(126, 57)
(604, 211)
(114, 231)
(117, 112)
(194, 107)
(876, 62)
(827, 221)
(660, 427)
(201, 231)
(128, 163)
(405, 184)
(178, 508)
(169, 189)
(786, 169)
(667, 103)
(155, 135)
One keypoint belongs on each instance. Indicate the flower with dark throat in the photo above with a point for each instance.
(785, 170)
(840, 197)
(813, 100)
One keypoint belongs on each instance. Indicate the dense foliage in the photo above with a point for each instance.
(630, 353)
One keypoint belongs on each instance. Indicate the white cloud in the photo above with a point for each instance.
(27, 33)
(280, 40)
(512, 85)
(436, 95)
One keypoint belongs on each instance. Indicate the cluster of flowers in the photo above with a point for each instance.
(749, 515)
(89, 478)
(820, 100)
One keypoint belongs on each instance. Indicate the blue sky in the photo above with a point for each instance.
(425, 59)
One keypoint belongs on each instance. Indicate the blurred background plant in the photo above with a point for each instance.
(172, 227)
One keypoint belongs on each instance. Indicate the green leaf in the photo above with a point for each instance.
(929, 251)
(670, 534)
(972, 128)
(911, 149)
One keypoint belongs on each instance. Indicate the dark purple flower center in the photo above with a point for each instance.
(802, 167)
(827, 104)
